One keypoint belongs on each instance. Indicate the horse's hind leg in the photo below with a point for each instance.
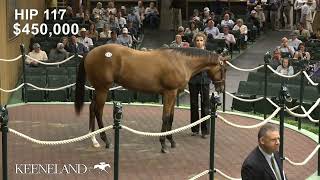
(168, 103)
(101, 96)
(95, 143)
(170, 137)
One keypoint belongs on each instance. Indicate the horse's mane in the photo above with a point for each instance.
(191, 51)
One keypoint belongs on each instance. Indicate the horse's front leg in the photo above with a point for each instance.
(95, 143)
(169, 98)
(170, 137)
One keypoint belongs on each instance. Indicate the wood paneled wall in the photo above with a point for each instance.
(10, 72)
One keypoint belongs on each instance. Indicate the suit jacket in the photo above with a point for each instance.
(256, 167)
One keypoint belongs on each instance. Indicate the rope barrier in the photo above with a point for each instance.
(305, 114)
(111, 89)
(51, 89)
(274, 104)
(251, 126)
(167, 132)
(309, 79)
(50, 64)
(241, 69)
(285, 76)
(80, 56)
(294, 108)
(11, 60)
(200, 175)
(12, 90)
(309, 117)
(245, 100)
(186, 91)
(226, 176)
(53, 143)
(306, 160)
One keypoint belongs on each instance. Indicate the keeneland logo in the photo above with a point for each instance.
(54, 169)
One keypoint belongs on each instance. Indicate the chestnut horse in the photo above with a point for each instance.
(163, 71)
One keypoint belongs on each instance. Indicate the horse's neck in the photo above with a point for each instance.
(198, 64)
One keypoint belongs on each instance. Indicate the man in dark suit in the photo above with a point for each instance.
(76, 47)
(263, 163)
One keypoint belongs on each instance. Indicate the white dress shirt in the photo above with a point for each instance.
(268, 158)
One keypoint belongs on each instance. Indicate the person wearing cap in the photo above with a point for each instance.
(294, 41)
(227, 21)
(37, 54)
(98, 10)
(84, 39)
(58, 54)
(114, 38)
(125, 38)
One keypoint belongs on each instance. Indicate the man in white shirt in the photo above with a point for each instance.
(264, 163)
(37, 54)
(84, 39)
(294, 42)
(210, 29)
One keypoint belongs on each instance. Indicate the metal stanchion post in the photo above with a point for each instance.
(4, 129)
(267, 57)
(117, 116)
(318, 150)
(23, 53)
(215, 102)
(303, 68)
(284, 97)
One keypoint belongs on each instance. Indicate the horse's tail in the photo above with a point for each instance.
(80, 85)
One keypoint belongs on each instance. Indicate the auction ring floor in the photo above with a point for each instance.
(140, 157)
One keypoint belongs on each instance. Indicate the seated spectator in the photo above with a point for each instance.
(285, 48)
(134, 18)
(58, 54)
(285, 68)
(111, 8)
(132, 31)
(106, 33)
(121, 20)
(152, 15)
(123, 11)
(253, 19)
(301, 54)
(76, 47)
(211, 29)
(37, 54)
(139, 11)
(294, 42)
(178, 42)
(113, 24)
(84, 39)
(65, 41)
(93, 33)
(195, 17)
(81, 13)
(243, 30)
(98, 10)
(87, 18)
(69, 13)
(114, 38)
(206, 15)
(301, 31)
(192, 30)
(99, 22)
(260, 16)
(276, 58)
(227, 21)
(125, 39)
(229, 38)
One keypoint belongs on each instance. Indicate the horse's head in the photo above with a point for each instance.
(217, 73)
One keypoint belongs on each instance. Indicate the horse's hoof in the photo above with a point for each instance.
(96, 145)
(164, 150)
(173, 144)
(108, 146)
